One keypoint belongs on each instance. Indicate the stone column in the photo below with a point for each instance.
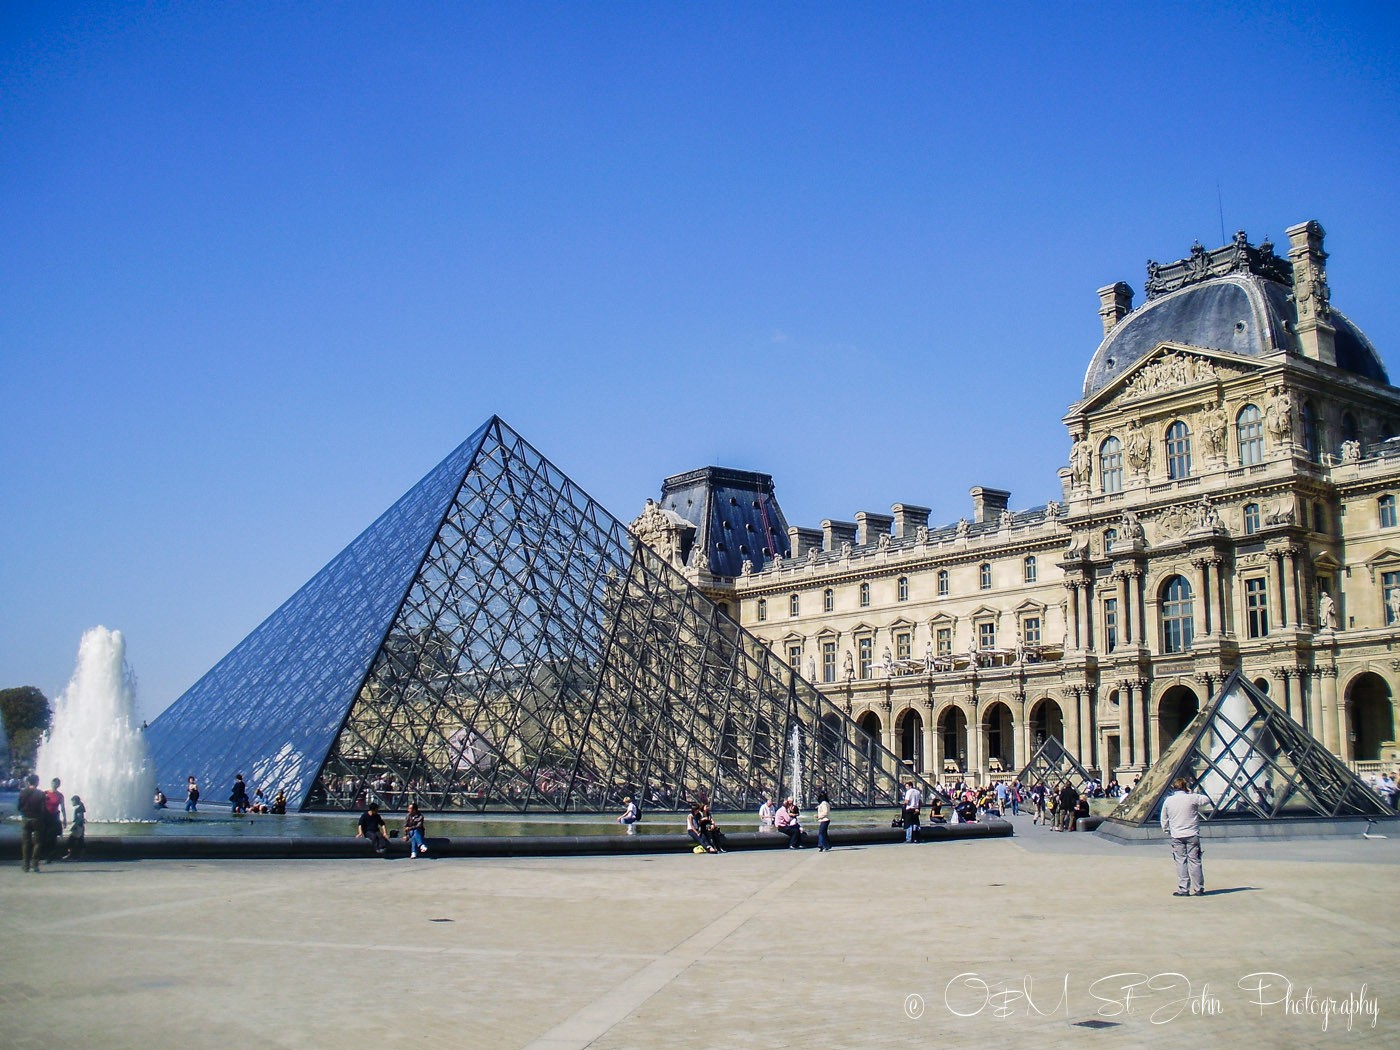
(1280, 593)
(1127, 725)
(974, 740)
(1202, 607)
(1223, 586)
(1125, 600)
(1334, 735)
(1297, 581)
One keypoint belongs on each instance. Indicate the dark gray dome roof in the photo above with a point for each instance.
(1240, 314)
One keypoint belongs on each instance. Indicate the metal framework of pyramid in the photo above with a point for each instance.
(1051, 764)
(497, 641)
(1254, 763)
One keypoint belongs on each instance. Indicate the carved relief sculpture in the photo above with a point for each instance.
(1170, 372)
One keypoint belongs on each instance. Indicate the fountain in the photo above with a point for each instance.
(94, 744)
(797, 766)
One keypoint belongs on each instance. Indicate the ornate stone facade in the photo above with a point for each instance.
(1230, 501)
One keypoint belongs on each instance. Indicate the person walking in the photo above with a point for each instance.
(77, 833)
(1181, 820)
(192, 796)
(32, 814)
(238, 797)
(1067, 803)
(823, 822)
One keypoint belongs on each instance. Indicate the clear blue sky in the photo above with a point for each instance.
(262, 266)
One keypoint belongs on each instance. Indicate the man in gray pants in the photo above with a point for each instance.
(1181, 820)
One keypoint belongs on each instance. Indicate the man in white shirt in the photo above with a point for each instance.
(1181, 820)
(913, 803)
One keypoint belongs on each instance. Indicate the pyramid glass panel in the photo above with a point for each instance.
(1053, 764)
(1255, 763)
(523, 651)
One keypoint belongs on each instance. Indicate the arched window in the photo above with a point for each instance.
(904, 588)
(1110, 537)
(1249, 436)
(864, 595)
(828, 600)
(1309, 417)
(794, 604)
(1251, 518)
(1178, 451)
(1178, 616)
(1030, 568)
(985, 574)
(942, 583)
(762, 609)
(1111, 464)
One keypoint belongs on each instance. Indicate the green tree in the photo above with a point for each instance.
(26, 715)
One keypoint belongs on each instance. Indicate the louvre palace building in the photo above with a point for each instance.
(1230, 501)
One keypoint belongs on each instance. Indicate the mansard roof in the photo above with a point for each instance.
(1237, 299)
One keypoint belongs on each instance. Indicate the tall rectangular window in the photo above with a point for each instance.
(794, 605)
(987, 635)
(1256, 604)
(1030, 630)
(866, 650)
(1111, 465)
(1385, 507)
(828, 661)
(795, 657)
(942, 583)
(943, 641)
(1390, 595)
(1251, 518)
(1249, 427)
(1178, 451)
(1110, 623)
(903, 645)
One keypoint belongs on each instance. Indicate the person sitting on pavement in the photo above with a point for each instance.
(695, 828)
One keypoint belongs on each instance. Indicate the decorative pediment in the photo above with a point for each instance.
(1326, 561)
(1169, 368)
(1386, 557)
(942, 620)
(903, 621)
(1030, 607)
(984, 612)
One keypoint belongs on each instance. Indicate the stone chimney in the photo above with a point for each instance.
(987, 504)
(801, 540)
(908, 518)
(871, 526)
(1115, 303)
(1311, 297)
(835, 533)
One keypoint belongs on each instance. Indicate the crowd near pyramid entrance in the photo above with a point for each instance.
(497, 640)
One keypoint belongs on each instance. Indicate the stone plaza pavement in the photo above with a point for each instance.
(995, 943)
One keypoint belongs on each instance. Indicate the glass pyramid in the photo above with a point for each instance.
(498, 641)
(1255, 763)
(1052, 764)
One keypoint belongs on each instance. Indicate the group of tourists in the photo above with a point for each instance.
(44, 815)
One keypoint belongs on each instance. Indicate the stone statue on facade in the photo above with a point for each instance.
(1278, 416)
(1392, 603)
(1081, 461)
(1138, 447)
(846, 550)
(921, 535)
(887, 662)
(1351, 451)
(1004, 522)
(848, 666)
(747, 568)
(777, 560)
(964, 528)
(928, 657)
(811, 555)
(1132, 528)
(1052, 511)
(1207, 517)
(1212, 423)
(697, 556)
(1327, 612)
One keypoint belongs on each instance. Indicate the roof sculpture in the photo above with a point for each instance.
(497, 640)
